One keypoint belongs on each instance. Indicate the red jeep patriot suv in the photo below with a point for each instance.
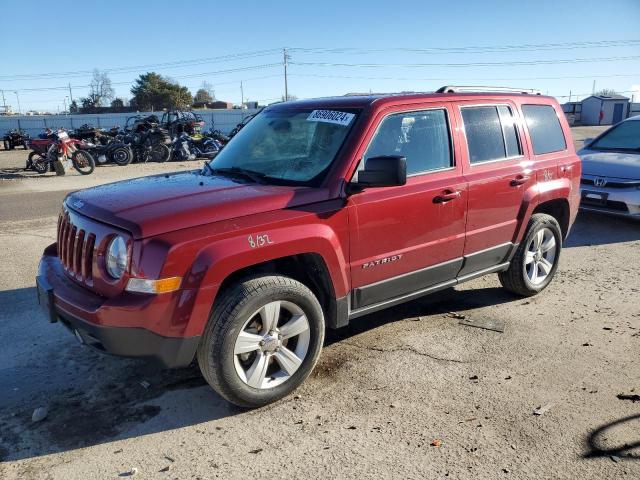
(317, 212)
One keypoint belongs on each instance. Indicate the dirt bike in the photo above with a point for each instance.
(58, 153)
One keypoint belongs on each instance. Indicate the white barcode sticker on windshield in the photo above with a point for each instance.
(331, 116)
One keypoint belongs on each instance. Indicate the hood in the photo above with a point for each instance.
(149, 206)
(610, 164)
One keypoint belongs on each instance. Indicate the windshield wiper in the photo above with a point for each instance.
(255, 177)
(207, 166)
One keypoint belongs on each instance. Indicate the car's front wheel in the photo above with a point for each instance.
(536, 260)
(262, 341)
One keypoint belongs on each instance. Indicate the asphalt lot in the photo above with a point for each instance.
(404, 393)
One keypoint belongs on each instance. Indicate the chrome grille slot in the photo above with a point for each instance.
(71, 243)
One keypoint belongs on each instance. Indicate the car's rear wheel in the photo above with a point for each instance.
(536, 260)
(262, 341)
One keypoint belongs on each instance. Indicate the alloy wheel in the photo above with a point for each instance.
(540, 256)
(272, 344)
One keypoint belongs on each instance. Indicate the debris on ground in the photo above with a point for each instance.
(436, 443)
(587, 344)
(633, 397)
(145, 384)
(459, 316)
(167, 457)
(485, 323)
(615, 459)
(130, 473)
(542, 410)
(257, 450)
(39, 414)
(165, 469)
(474, 378)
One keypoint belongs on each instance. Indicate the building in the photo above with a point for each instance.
(604, 109)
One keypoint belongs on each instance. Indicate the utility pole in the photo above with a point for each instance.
(70, 93)
(4, 103)
(64, 102)
(241, 95)
(18, 98)
(569, 96)
(593, 89)
(286, 87)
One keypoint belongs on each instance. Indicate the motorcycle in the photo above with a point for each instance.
(112, 151)
(186, 147)
(147, 141)
(58, 153)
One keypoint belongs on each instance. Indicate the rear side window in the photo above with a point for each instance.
(422, 137)
(544, 129)
(491, 133)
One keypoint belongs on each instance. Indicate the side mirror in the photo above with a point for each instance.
(386, 171)
(587, 141)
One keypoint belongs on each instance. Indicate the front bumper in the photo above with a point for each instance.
(97, 322)
(624, 202)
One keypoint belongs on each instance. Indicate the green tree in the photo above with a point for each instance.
(202, 96)
(117, 104)
(73, 108)
(152, 91)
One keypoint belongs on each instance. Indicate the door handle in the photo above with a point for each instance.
(446, 196)
(519, 180)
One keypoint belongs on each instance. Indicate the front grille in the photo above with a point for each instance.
(75, 249)
(613, 183)
(608, 204)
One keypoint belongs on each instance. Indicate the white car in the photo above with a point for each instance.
(611, 171)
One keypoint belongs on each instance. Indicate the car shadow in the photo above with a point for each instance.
(91, 398)
(592, 228)
(444, 302)
(601, 441)
(94, 399)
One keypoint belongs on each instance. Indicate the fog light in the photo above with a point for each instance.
(163, 285)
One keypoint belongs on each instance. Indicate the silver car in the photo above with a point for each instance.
(611, 171)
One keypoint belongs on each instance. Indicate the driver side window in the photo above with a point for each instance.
(421, 136)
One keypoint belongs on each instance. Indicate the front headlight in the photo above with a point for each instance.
(117, 257)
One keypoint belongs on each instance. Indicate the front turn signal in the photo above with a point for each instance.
(163, 285)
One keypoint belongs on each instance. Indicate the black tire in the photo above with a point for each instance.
(122, 156)
(83, 162)
(235, 307)
(39, 163)
(516, 278)
(160, 153)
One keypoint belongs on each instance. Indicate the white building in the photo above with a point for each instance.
(604, 109)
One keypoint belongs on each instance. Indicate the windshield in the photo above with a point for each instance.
(625, 136)
(286, 146)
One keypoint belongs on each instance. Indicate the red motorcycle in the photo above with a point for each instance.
(57, 152)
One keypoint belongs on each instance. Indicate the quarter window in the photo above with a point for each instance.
(491, 133)
(422, 137)
(544, 129)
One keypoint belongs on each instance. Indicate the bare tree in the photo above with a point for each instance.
(100, 89)
(607, 92)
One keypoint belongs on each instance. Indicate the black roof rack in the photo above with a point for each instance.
(481, 89)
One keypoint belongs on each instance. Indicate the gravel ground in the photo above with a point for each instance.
(404, 393)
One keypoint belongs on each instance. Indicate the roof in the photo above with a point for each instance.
(608, 97)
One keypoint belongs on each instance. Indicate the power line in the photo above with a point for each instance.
(467, 64)
(449, 79)
(258, 53)
(135, 68)
(476, 49)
